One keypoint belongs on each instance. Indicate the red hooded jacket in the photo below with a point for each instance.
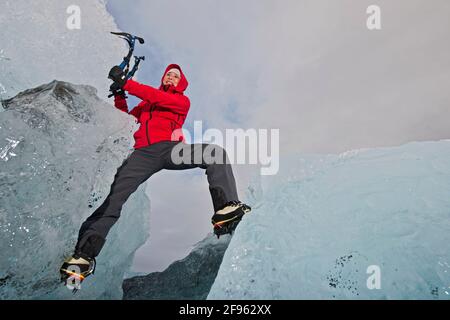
(159, 113)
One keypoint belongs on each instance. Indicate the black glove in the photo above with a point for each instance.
(116, 91)
(117, 75)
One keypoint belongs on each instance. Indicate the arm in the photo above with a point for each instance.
(121, 103)
(176, 103)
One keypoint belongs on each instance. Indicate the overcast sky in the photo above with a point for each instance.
(310, 68)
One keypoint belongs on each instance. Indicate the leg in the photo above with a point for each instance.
(136, 169)
(213, 158)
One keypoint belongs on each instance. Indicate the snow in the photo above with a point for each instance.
(60, 147)
(326, 222)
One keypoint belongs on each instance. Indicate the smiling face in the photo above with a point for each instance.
(172, 78)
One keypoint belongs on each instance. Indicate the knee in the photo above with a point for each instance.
(218, 149)
(215, 154)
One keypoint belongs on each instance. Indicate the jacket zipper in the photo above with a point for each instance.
(146, 125)
(146, 132)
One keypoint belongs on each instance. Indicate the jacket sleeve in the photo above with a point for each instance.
(121, 103)
(176, 103)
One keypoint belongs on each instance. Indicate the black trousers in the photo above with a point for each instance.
(140, 165)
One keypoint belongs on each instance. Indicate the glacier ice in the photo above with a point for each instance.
(193, 276)
(36, 46)
(60, 146)
(332, 226)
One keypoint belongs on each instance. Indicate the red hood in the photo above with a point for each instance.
(182, 85)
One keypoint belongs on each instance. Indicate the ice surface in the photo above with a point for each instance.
(60, 146)
(326, 220)
(190, 278)
(37, 47)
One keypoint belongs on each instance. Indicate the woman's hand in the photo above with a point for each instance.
(117, 75)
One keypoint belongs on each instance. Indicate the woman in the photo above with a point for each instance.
(161, 115)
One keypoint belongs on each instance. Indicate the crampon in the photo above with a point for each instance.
(224, 227)
(226, 219)
(74, 270)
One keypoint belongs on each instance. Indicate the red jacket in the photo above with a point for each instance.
(159, 113)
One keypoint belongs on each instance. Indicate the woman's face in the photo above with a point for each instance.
(171, 78)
